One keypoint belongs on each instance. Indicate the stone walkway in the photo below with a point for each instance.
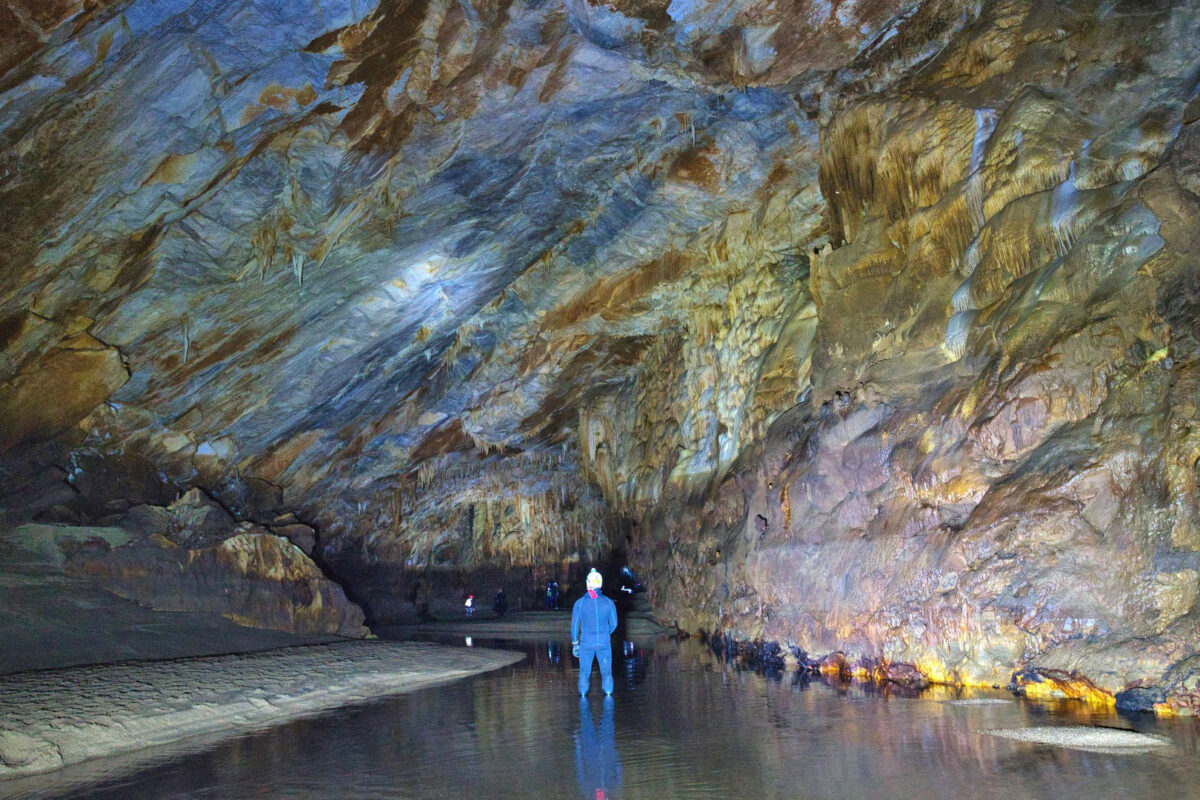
(53, 719)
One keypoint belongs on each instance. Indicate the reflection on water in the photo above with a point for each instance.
(597, 763)
(682, 724)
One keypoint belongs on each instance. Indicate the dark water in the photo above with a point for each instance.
(682, 724)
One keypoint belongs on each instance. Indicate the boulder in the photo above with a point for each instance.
(255, 579)
(303, 536)
(198, 521)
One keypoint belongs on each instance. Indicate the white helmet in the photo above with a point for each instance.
(594, 579)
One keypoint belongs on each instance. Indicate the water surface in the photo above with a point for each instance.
(682, 724)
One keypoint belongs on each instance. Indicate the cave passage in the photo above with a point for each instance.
(866, 328)
(683, 723)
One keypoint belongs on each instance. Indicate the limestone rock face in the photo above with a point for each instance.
(80, 594)
(193, 556)
(375, 257)
(78, 372)
(868, 326)
(254, 578)
(995, 466)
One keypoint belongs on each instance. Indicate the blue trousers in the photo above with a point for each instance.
(603, 654)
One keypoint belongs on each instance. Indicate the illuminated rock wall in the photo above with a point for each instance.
(298, 255)
(996, 465)
(864, 326)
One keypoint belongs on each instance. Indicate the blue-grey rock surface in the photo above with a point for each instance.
(860, 326)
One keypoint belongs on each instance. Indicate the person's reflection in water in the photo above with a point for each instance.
(597, 763)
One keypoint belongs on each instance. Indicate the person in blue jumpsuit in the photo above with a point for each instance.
(593, 619)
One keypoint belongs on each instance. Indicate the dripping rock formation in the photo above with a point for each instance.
(867, 327)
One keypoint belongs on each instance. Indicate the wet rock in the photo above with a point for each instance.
(300, 535)
(1140, 698)
(1182, 684)
(255, 579)
(868, 327)
(906, 675)
(198, 521)
(1049, 684)
(835, 665)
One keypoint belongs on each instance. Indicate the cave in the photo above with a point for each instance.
(855, 344)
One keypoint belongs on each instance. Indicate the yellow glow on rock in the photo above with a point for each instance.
(1048, 686)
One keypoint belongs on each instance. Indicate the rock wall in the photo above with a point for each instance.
(864, 326)
(995, 467)
(252, 577)
(172, 581)
(294, 256)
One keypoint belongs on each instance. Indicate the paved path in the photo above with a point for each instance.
(53, 719)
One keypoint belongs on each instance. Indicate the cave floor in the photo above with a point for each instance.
(51, 719)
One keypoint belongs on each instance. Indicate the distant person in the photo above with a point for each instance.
(500, 603)
(597, 762)
(469, 605)
(593, 619)
(549, 595)
(554, 594)
(628, 581)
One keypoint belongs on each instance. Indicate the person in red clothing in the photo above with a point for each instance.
(593, 619)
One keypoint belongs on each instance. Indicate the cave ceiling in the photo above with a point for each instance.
(865, 325)
(318, 244)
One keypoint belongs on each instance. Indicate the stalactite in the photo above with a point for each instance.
(525, 504)
(1033, 179)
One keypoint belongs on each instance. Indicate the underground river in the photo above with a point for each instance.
(683, 723)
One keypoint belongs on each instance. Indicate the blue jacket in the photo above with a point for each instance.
(593, 621)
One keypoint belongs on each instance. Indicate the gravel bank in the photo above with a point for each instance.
(1084, 737)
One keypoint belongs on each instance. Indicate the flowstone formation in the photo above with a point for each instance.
(995, 466)
(865, 327)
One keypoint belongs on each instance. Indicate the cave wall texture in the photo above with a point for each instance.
(862, 326)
